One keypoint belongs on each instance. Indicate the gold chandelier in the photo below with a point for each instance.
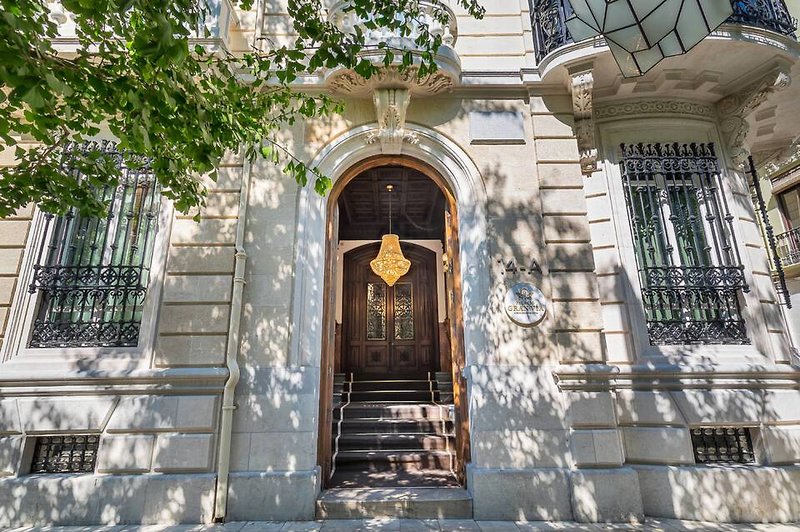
(390, 264)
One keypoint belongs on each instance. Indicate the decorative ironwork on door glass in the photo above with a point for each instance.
(376, 311)
(689, 266)
(403, 312)
(92, 272)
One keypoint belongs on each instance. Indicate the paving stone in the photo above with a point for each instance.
(262, 526)
(302, 526)
(497, 526)
(382, 524)
(453, 525)
(419, 525)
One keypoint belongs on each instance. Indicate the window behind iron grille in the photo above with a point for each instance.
(92, 273)
(689, 266)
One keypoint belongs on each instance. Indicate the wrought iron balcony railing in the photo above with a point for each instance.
(788, 247)
(550, 31)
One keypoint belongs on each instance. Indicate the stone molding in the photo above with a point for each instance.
(390, 109)
(624, 110)
(604, 377)
(581, 85)
(734, 109)
(24, 380)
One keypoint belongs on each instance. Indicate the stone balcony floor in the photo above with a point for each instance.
(442, 525)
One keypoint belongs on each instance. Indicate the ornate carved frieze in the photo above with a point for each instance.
(581, 84)
(390, 107)
(649, 107)
(734, 109)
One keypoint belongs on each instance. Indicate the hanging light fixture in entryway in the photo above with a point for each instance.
(390, 264)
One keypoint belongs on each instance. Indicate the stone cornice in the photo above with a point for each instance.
(676, 377)
(31, 381)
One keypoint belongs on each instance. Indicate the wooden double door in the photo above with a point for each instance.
(389, 329)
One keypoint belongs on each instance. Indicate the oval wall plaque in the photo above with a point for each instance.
(525, 304)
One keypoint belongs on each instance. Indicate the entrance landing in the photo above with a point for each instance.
(418, 503)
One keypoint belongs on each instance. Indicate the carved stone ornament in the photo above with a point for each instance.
(390, 107)
(581, 84)
(624, 110)
(353, 84)
(734, 109)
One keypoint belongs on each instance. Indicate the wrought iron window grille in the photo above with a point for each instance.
(689, 265)
(91, 274)
(722, 445)
(550, 31)
(65, 454)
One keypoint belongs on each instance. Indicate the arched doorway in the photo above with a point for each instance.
(404, 344)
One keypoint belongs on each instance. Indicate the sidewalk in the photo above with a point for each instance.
(425, 525)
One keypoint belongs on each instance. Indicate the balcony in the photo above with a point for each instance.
(550, 31)
(788, 247)
(449, 65)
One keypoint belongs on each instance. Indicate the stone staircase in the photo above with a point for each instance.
(393, 436)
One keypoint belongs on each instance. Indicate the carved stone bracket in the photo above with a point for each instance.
(390, 107)
(581, 84)
(352, 84)
(734, 109)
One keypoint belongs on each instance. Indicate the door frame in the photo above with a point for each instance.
(454, 312)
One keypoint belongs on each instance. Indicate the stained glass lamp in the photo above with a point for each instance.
(641, 33)
(390, 264)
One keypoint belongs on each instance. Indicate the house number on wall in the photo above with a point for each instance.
(525, 305)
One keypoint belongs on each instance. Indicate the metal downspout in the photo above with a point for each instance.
(228, 406)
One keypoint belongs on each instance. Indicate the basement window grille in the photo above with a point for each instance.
(92, 272)
(689, 266)
(722, 445)
(65, 454)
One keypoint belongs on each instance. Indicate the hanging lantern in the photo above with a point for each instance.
(641, 33)
(390, 264)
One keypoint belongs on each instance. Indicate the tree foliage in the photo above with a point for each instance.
(137, 72)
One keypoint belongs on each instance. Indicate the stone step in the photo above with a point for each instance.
(392, 396)
(377, 410)
(421, 385)
(362, 441)
(395, 376)
(416, 458)
(396, 426)
(419, 503)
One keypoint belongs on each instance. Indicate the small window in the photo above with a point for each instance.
(722, 445)
(689, 265)
(75, 453)
(91, 274)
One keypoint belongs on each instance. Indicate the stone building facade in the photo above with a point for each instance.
(663, 352)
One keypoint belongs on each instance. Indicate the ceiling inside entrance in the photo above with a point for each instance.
(417, 206)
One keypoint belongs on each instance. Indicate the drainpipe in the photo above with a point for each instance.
(228, 406)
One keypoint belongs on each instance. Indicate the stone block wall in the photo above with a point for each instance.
(148, 445)
(13, 236)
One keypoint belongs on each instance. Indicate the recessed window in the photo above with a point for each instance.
(91, 274)
(75, 453)
(689, 265)
(722, 445)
